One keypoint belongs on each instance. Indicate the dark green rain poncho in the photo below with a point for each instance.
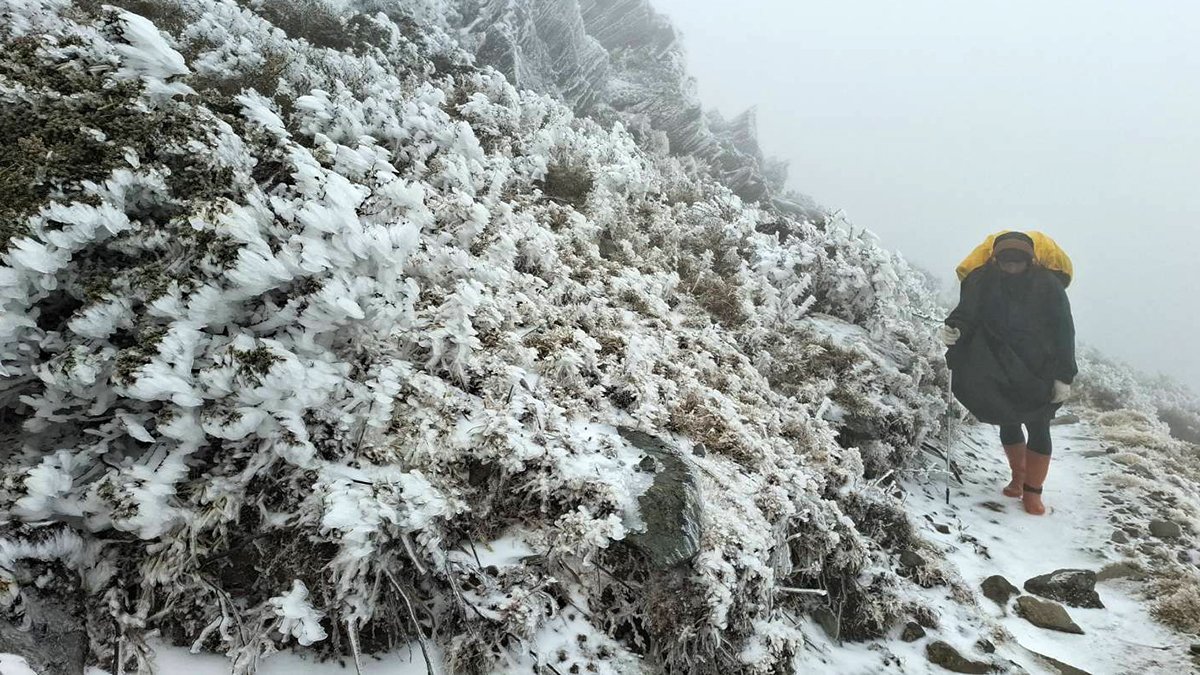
(1018, 337)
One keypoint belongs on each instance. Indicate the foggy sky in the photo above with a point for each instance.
(935, 123)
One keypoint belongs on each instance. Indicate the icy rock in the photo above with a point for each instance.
(1165, 529)
(1046, 614)
(670, 507)
(1076, 588)
(912, 632)
(54, 642)
(911, 559)
(1120, 537)
(942, 654)
(998, 589)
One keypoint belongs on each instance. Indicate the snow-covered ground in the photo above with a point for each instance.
(982, 533)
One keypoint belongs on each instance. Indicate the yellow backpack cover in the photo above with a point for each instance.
(1047, 253)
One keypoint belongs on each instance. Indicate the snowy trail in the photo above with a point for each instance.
(991, 534)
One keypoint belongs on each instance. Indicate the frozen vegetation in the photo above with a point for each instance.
(318, 334)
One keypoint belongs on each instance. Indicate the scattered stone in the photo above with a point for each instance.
(1064, 420)
(1113, 499)
(912, 632)
(1165, 529)
(1196, 649)
(1121, 570)
(944, 529)
(984, 645)
(1076, 588)
(1183, 556)
(941, 654)
(911, 558)
(998, 589)
(993, 506)
(1111, 450)
(1046, 614)
(1120, 537)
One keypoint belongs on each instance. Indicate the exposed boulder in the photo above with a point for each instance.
(1076, 588)
(671, 507)
(942, 654)
(1046, 614)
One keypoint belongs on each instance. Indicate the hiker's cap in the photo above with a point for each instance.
(1018, 243)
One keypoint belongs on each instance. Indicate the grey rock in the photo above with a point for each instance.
(1195, 650)
(944, 529)
(55, 641)
(985, 646)
(998, 589)
(1121, 570)
(911, 559)
(1076, 588)
(1046, 614)
(1120, 537)
(1165, 529)
(942, 654)
(1111, 450)
(670, 508)
(912, 632)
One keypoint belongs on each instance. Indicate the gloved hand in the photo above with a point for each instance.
(1062, 391)
(949, 335)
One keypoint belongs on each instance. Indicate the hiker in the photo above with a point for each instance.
(1011, 347)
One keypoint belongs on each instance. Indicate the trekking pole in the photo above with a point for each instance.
(949, 431)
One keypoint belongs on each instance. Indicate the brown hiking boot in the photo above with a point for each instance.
(1016, 463)
(1036, 468)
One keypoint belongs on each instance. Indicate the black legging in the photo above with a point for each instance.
(1039, 436)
